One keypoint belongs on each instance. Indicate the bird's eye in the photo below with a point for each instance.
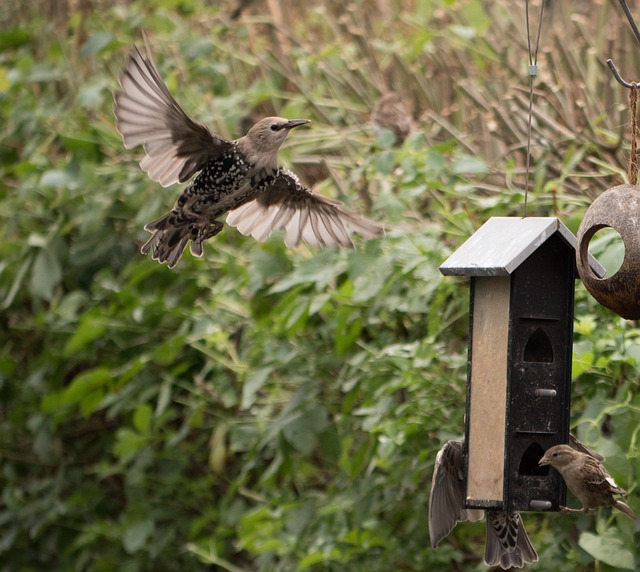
(275, 127)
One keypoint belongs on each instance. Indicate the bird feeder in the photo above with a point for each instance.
(522, 273)
(617, 208)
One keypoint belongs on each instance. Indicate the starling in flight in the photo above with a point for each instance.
(240, 177)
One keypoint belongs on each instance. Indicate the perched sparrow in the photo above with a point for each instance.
(507, 544)
(586, 478)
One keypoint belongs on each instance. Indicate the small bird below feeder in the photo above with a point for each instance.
(587, 479)
(506, 543)
(240, 177)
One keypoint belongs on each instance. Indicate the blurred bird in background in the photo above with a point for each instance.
(587, 479)
(507, 544)
(394, 113)
(241, 176)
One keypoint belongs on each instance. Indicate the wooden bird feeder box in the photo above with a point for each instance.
(522, 274)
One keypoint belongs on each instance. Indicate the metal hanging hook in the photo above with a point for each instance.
(636, 33)
(616, 74)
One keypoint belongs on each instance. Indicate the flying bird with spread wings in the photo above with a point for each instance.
(240, 177)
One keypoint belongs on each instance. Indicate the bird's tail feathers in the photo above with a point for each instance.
(626, 509)
(170, 235)
(507, 543)
(168, 245)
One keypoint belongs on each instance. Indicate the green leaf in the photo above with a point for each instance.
(250, 388)
(13, 38)
(302, 431)
(469, 165)
(96, 43)
(86, 391)
(136, 536)
(5, 82)
(386, 161)
(313, 558)
(90, 329)
(330, 444)
(128, 443)
(142, 418)
(386, 138)
(348, 328)
(464, 32)
(164, 398)
(608, 548)
(56, 179)
(16, 284)
(46, 274)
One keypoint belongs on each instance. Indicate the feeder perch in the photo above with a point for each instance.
(522, 274)
(619, 209)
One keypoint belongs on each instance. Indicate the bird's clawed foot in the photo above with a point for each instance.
(213, 229)
(567, 510)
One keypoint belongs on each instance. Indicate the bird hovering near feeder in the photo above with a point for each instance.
(507, 544)
(587, 479)
(241, 177)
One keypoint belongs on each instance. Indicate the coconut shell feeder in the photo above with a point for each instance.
(619, 209)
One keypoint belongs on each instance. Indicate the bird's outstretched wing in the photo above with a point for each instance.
(446, 500)
(176, 145)
(303, 214)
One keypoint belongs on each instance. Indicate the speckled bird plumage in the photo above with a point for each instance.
(507, 544)
(587, 479)
(240, 177)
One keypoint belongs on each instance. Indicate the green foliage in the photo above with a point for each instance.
(257, 409)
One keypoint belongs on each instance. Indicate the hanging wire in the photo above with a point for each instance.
(632, 170)
(533, 72)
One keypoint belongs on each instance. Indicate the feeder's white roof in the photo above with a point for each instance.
(501, 244)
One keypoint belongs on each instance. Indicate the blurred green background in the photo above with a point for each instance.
(261, 409)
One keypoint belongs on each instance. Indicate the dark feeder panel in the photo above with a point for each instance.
(523, 273)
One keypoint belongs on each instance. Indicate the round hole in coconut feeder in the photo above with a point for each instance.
(619, 209)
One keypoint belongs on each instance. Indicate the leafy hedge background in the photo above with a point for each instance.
(263, 409)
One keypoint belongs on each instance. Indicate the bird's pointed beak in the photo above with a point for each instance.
(296, 123)
(544, 461)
